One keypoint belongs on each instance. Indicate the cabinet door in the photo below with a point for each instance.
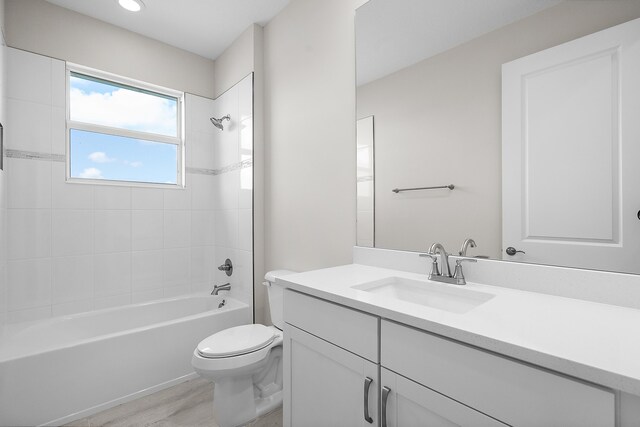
(324, 385)
(410, 404)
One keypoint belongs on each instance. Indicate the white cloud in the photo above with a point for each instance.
(100, 157)
(124, 109)
(91, 173)
(135, 164)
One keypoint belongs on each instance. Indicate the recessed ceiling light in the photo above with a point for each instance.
(131, 5)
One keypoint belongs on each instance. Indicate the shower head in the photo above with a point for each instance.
(218, 122)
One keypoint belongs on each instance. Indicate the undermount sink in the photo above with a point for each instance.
(429, 294)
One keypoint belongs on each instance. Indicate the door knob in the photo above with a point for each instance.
(511, 251)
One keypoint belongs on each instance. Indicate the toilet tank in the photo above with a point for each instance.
(276, 296)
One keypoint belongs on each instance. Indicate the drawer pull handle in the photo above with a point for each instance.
(383, 415)
(367, 385)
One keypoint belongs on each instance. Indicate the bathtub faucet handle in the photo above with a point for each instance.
(227, 267)
(218, 288)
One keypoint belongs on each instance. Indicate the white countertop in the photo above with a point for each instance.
(595, 342)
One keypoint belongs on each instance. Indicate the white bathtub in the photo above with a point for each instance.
(65, 368)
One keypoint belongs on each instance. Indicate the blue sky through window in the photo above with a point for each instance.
(109, 157)
(97, 154)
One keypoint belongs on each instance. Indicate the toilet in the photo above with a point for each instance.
(245, 364)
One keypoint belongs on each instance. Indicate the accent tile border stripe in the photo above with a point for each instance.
(240, 165)
(33, 155)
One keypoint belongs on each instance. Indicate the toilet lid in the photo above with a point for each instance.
(236, 340)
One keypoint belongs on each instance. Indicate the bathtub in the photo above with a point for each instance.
(61, 369)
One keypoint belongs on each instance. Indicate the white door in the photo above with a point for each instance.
(571, 153)
(408, 404)
(325, 385)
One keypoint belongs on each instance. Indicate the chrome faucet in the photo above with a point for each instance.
(437, 248)
(468, 243)
(446, 277)
(458, 275)
(218, 288)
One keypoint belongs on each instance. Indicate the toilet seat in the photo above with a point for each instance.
(236, 341)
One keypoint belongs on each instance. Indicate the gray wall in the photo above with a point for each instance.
(439, 122)
(310, 135)
(41, 27)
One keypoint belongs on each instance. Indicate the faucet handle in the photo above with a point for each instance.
(458, 274)
(435, 271)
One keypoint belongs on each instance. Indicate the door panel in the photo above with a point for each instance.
(570, 141)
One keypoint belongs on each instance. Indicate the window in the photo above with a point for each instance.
(122, 131)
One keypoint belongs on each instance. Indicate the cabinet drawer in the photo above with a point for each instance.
(512, 392)
(350, 329)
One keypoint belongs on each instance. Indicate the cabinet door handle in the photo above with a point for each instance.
(367, 385)
(383, 414)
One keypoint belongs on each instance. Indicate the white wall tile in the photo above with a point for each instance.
(67, 195)
(29, 315)
(111, 197)
(147, 270)
(28, 126)
(58, 130)
(226, 228)
(177, 229)
(245, 229)
(202, 228)
(72, 278)
(29, 233)
(200, 151)
(180, 198)
(226, 190)
(112, 230)
(244, 270)
(112, 274)
(176, 267)
(203, 265)
(147, 198)
(28, 76)
(202, 191)
(112, 301)
(148, 295)
(29, 183)
(58, 83)
(72, 232)
(245, 196)
(29, 284)
(147, 230)
(175, 291)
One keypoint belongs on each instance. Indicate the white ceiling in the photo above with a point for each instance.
(204, 27)
(393, 34)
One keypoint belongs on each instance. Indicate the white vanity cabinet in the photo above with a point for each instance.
(417, 378)
(507, 390)
(406, 403)
(331, 370)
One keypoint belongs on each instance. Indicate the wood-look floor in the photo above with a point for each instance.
(187, 404)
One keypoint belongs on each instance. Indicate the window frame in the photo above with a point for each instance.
(178, 141)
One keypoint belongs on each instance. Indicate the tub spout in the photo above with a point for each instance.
(218, 288)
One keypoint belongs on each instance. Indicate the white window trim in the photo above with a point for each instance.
(179, 141)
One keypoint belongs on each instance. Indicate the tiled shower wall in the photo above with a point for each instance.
(79, 247)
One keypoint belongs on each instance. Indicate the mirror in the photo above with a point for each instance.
(430, 103)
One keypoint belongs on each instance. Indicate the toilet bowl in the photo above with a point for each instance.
(245, 364)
